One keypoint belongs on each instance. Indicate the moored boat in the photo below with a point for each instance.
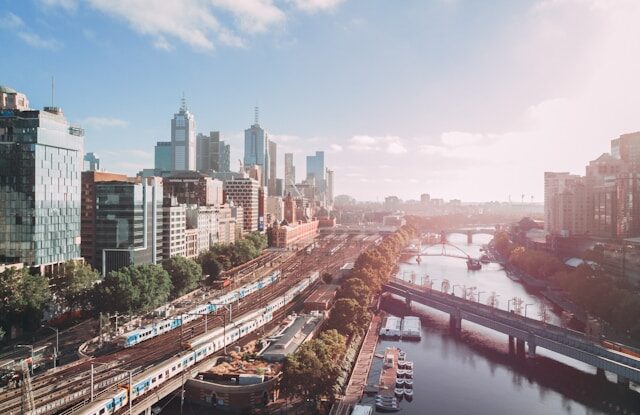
(384, 407)
(408, 365)
(473, 264)
(399, 391)
(408, 374)
(408, 383)
(400, 382)
(408, 392)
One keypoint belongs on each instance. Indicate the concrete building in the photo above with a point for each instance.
(212, 153)
(129, 223)
(193, 188)
(245, 192)
(275, 209)
(205, 220)
(88, 211)
(174, 231)
(289, 171)
(41, 157)
(162, 156)
(227, 224)
(287, 235)
(273, 167)
(191, 243)
(303, 329)
(183, 140)
(256, 150)
(91, 162)
(566, 204)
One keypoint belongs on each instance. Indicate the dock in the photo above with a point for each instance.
(388, 373)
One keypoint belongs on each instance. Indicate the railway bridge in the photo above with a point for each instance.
(535, 333)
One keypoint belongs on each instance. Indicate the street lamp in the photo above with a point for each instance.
(509, 303)
(525, 309)
(480, 292)
(453, 290)
(130, 372)
(432, 281)
(56, 350)
(30, 347)
(224, 326)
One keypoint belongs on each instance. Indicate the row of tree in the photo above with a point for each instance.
(601, 295)
(313, 370)
(134, 289)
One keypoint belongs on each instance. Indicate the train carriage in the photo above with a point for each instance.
(106, 406)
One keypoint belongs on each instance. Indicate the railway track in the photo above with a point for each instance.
(51, 388)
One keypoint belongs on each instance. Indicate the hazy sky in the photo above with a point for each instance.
(461, 99)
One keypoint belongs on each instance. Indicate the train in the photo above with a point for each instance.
(621, 348)
(149, 331)
(199, 349)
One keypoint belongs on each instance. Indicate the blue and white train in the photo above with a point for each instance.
(207, 344)
(133, 337)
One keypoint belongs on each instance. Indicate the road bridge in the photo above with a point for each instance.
(535, 333)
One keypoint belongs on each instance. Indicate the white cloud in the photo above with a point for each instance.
(312, 6)
(103, 122)
(458, 138)
(10, 21)
(68, 5)
(388, 144)
(335, 148)
(396, 147)
(252, 16)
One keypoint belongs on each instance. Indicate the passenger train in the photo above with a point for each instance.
(149, 331)
(199, 349)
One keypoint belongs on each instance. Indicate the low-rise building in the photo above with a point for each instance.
(303, 328)
(284, 235)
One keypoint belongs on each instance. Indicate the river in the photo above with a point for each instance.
(474, 373)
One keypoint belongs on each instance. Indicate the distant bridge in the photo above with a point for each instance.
(534, 332)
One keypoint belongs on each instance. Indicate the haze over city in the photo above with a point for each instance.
(422, 96)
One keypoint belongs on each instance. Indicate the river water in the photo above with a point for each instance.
(474, 373)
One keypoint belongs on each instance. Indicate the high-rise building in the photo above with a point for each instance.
(273, 167)
(91, 162)
(627, 148)
(174, 238)
(41, 159)
(425, 198)
(245, 192)
(183, 140)
(289, 170)
(329, 187)
(316, 169)
(162, 156)
(129, 223)
(256, 150)
(192, 188)
(213, 153)
(565, 204)
(88, 211)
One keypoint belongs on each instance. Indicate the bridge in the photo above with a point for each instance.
(535, 333)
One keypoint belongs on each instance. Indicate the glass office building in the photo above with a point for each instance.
(41, 158)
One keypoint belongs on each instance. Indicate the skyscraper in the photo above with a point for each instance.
(183, 140)
(162, 156)
(273, 166)
(315, 169)
(212, 153)
(256, 151)
(289, 170)
(41, 157)
(329, 187)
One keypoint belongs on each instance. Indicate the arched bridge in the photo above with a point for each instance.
(534, 332)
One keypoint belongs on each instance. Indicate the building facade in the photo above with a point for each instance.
(41, 159)
(183, 140)
(174, 239)
(256, 150)
(129, 223)
(245, 192)
(273, 167)
(192, 188)
(162, 156)
(212, 153)
(316, 169)
(91, 162)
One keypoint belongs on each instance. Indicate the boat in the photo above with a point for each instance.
(400, 372)
(408, 364)
(408, 392)
(473, 264)
(400, 382)
(485, 259)
(386, 398)
(408, 383)
(402, 356)
(408, 373)
(399, 391)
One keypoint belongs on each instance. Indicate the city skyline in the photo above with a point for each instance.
(470, 95)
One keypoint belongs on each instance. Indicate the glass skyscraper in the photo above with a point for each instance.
(183, 140)
(41, 159)
(256, 151)
(316, 169)
(162, 156)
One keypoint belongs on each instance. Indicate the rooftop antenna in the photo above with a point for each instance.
(52, 89)
(183, 101)
(256, 114)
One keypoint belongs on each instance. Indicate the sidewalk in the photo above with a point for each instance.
(360, 373)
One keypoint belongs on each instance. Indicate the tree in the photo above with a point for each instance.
(210, 266)
(185, 274)
(74, 284)
(327, 278)
(245, 251)
(136, 288)
(348, 317)
(23, 297)
(356, 289)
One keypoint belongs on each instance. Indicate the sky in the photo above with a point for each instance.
(456, 98)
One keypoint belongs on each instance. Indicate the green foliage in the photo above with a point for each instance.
(185, 274)
(535, 263)
(74, 284)
(210, 265)
(313, 369)
(503, 244)
(222, 257)
(356, 289)
(23, 298)
(136, 288)
(348, 317)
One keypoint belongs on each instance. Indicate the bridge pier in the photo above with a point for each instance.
(455, 322)
(600, 374)
(531, 343)
(512, 347)
(469, 237)
(520, 347)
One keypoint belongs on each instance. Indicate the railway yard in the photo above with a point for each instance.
(67, 388)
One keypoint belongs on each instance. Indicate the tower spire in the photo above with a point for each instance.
(183, 101)
(256, 115)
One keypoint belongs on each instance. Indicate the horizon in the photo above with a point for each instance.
(447, 91)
